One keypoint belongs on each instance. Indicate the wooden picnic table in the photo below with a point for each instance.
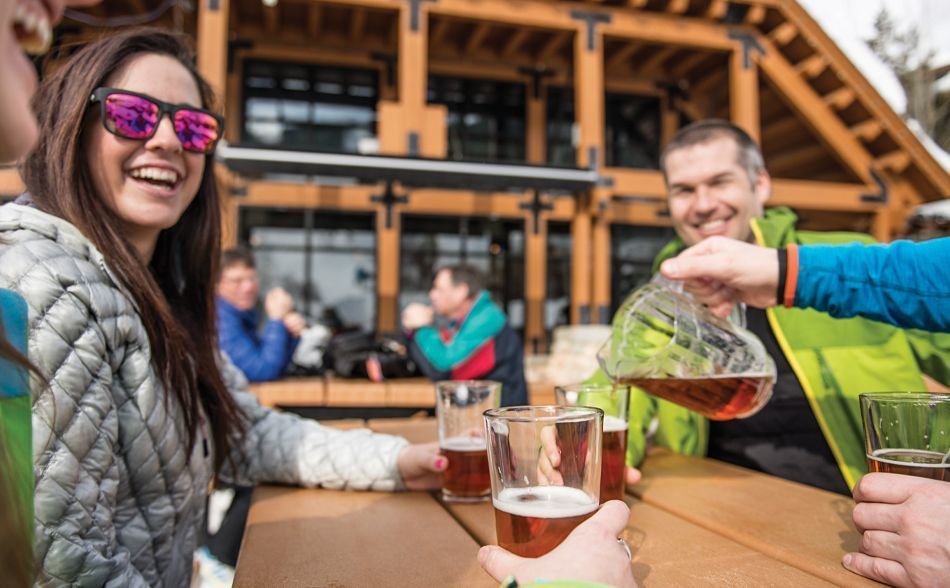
(320, 391)
(693, 522)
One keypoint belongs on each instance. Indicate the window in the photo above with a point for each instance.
(310, 107)
(486, 118)
(633, 131)
(560, 127)
(326, 261)
(633, 249)
(557, 304)
(495, 247)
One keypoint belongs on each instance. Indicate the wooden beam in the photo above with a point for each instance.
(514, 42)
(803, 99)
(654, 62)
(621, 55)
(271, 19)
(665, 29)
(637, 3)
(686, 64)
(841, 98)
(705, 85)
(439, 30)
(581, 263)
(868, 130)
(896, 161)
(830, 196)
(387, 270)
(10, 182)
(535, 282)
(791, 159)
(755, 15)
(744, 93)
(779, 131)
(356, 24)
(717, 9)
(600, 262)
(553, 46)
(536, 151)
(474, 41)
(212, 42)
(784, 33)
(589, 96)
(636, 182)
(677, 6)
(314, 18)
(812, 67)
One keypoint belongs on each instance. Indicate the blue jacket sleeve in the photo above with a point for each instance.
(259, 361)
(905, 284)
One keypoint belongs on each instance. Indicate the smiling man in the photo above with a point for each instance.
(810, 431)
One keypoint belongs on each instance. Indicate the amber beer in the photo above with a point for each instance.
(467, 475)
(612, 458)
(532, 521)
(717, 398)
(910, 462)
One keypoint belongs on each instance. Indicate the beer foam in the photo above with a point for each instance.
(934, 462)
(464, 443)
(545, 502)
(613, 424)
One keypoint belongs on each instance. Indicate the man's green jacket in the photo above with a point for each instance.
(834, 359)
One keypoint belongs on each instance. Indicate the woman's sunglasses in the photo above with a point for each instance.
(136, 116)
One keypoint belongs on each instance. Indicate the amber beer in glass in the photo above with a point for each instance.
(615, 402)
(907, 433)
(459, 408)
(545, 473)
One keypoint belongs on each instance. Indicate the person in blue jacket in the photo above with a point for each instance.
(905, 520)
(262, 355)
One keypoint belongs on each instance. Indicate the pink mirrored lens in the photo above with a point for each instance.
(197, 131)
(130, 116)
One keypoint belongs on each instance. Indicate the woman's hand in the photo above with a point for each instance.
(421, 466)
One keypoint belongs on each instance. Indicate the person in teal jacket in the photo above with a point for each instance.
(904, 284)
(810, 431)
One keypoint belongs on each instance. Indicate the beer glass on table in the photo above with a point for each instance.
(614, 400)
(459, 407)
(907, 433)
(667, 343)
(545, 473)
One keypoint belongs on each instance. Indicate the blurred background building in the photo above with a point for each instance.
(370, 141)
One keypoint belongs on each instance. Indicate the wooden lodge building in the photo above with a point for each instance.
(370, 140)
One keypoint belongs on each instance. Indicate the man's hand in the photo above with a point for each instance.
(905, 521)
(720, 272)
(590, 553)
(421, 466)
(277, 304)
(415, 316)
(295, 323)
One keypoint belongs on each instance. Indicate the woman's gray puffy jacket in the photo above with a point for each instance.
(117, 503)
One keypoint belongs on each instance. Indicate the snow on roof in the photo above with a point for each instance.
(938, 209)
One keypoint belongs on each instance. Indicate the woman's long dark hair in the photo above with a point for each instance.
(175, 292)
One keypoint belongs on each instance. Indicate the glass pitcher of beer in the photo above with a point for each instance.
(669, 344)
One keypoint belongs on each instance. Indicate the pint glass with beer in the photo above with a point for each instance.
(459, 407)
(614, 400)
(545, 473)
(907, 433)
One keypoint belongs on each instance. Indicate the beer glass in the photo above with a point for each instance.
(907, 433)
(667, 343)
(545, 473)
(615, 402)
(459, 407)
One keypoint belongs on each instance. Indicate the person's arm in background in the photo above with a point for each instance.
(904, 284)
(259, 361)
(474, 333)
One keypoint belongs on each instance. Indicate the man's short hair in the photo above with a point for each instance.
(703, 131)
(236, 256)
(461, 273)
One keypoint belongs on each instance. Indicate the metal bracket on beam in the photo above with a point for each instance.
(536, 73)
(389, 199)
(750, 43)
(735, 13)
(239, 191)
(415, 7)
(603, 314)
(591, 19)
(214, 5)
(537, 205)
(883, 195)
(412, 144)
(585, 314)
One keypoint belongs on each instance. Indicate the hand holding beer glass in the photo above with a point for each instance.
(545, 473)
(907, 433)
(615, 402)
(459, 407)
